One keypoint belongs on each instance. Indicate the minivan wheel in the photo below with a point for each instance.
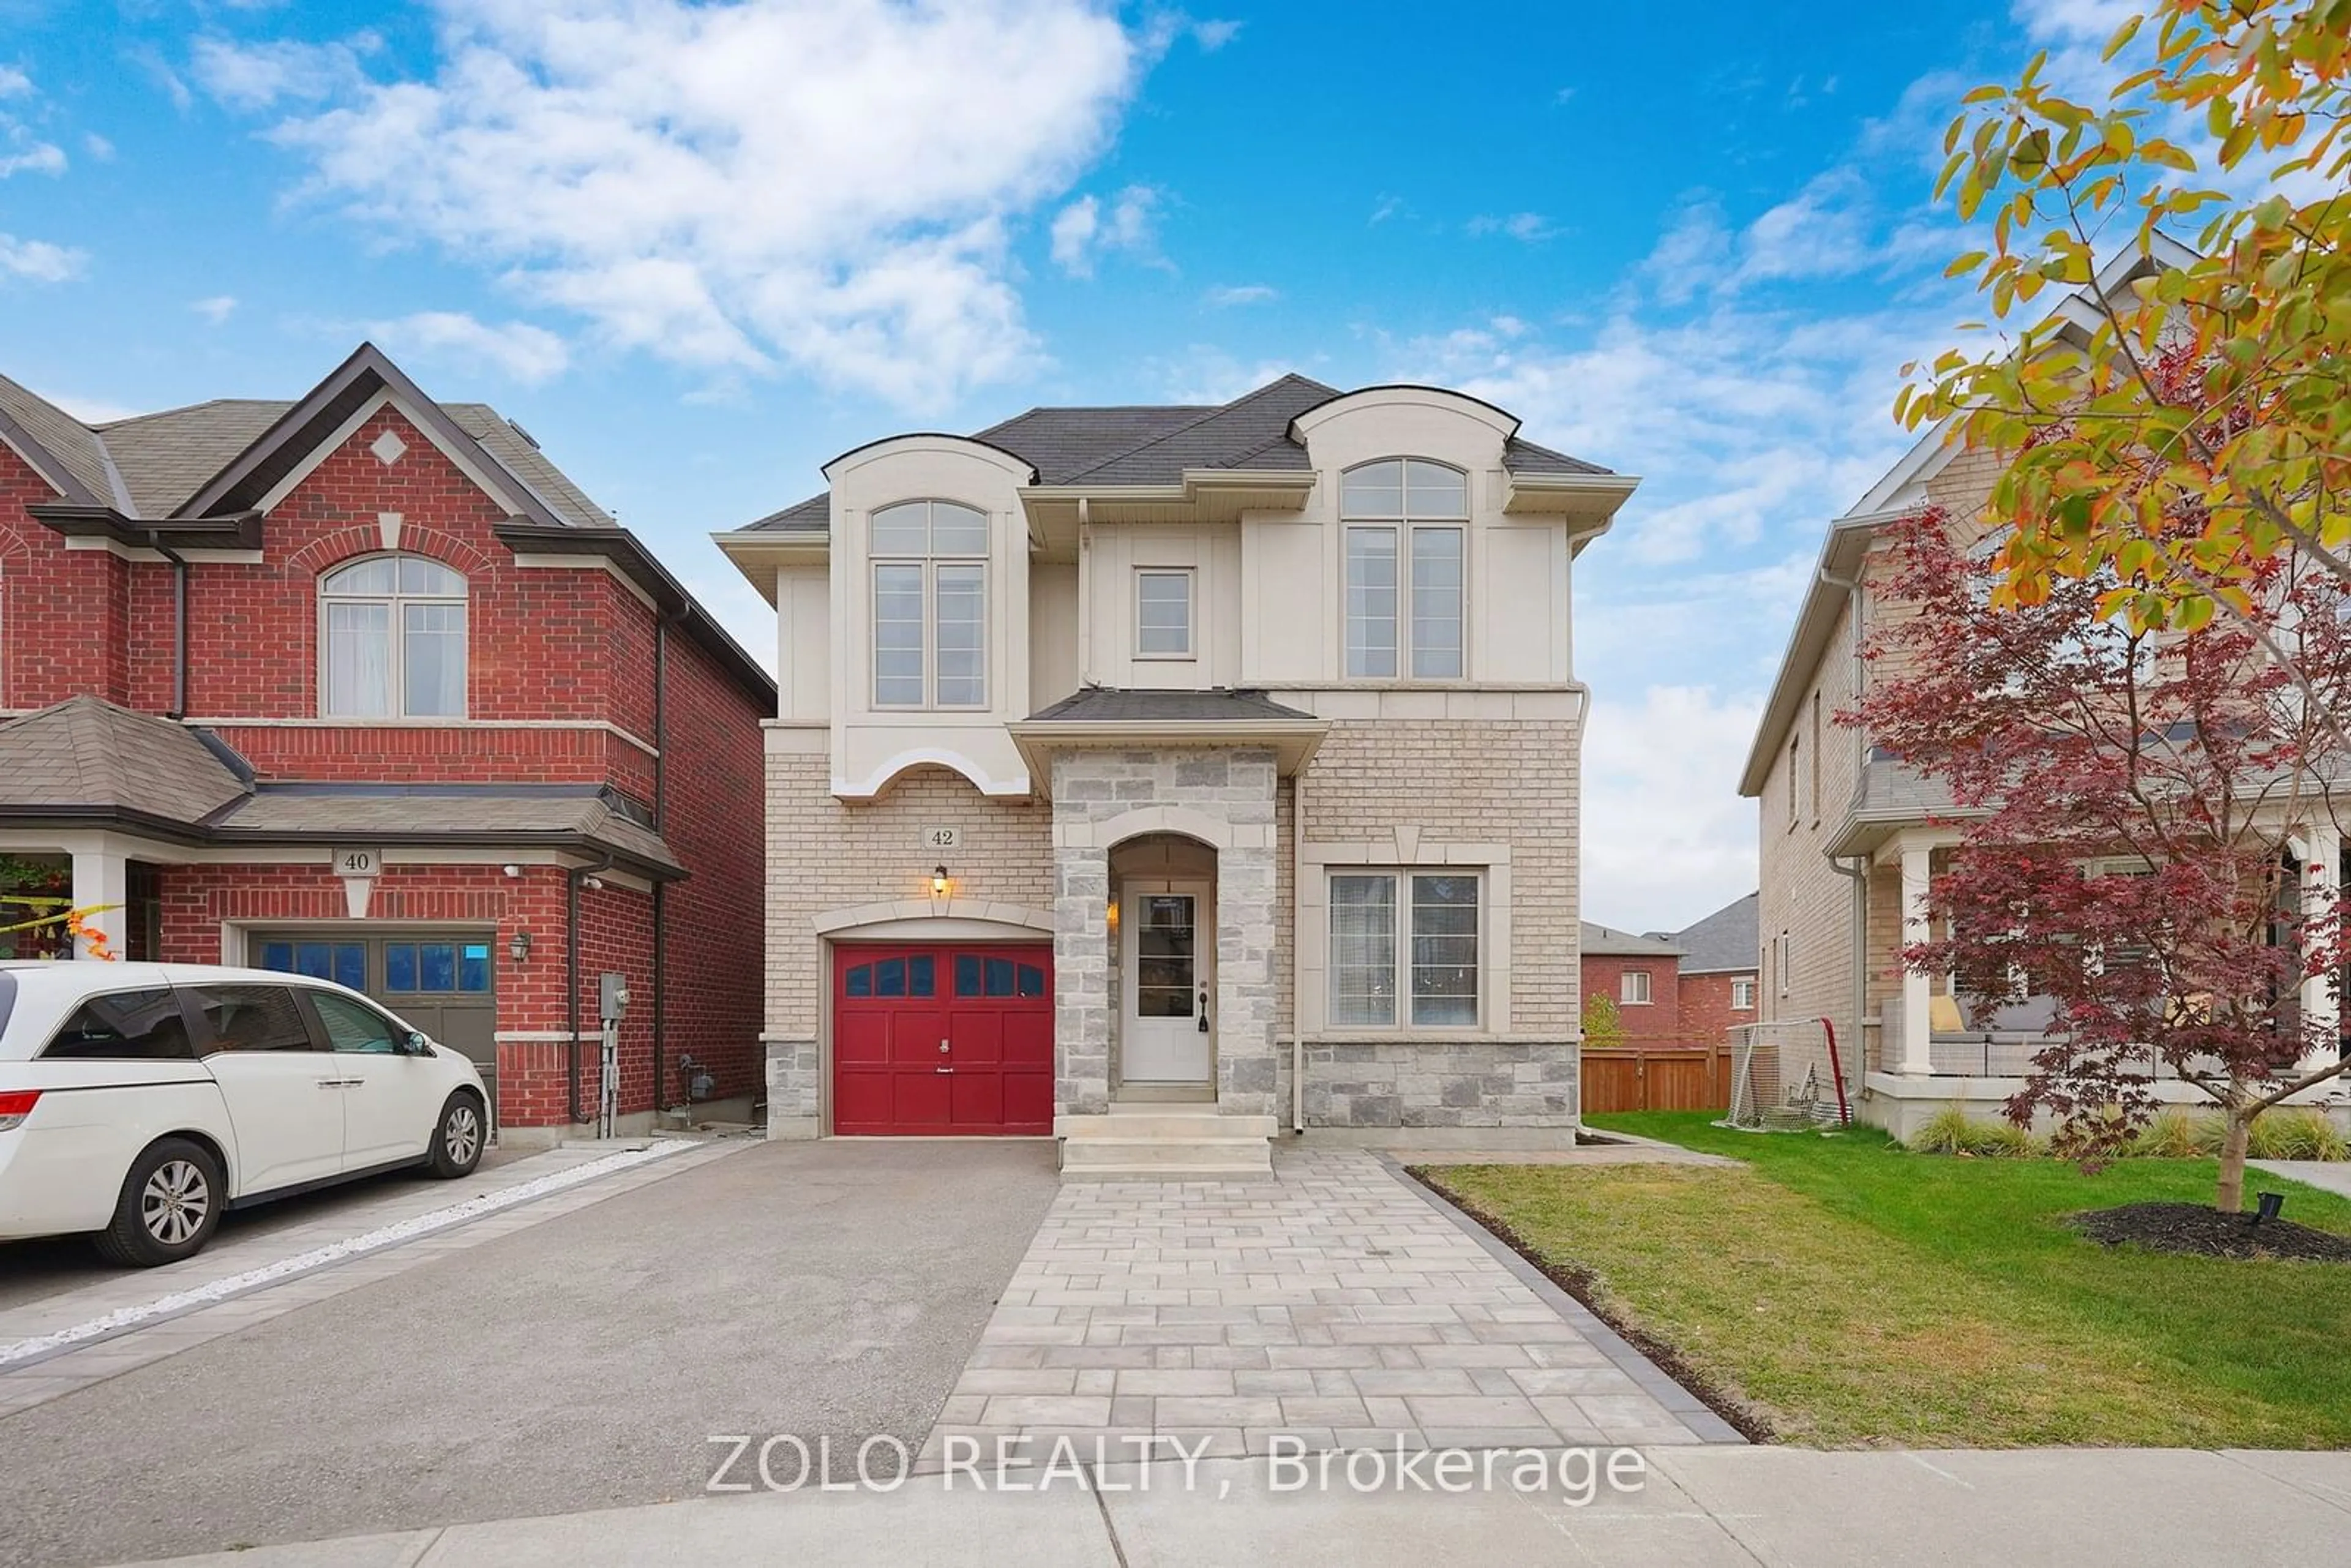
(457, 1141)
(170, 1204)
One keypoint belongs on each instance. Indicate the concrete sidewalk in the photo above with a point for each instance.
(1695, 1507)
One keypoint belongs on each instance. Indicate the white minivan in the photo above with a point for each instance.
(138, 1101)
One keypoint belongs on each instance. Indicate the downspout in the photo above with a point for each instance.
(179, 622)
(1858, 872)
(1297, 935)
(571, 881)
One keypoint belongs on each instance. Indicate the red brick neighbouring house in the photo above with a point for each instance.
(363, 685)
(1678, 997)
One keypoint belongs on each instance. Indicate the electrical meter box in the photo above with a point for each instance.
(612, 996)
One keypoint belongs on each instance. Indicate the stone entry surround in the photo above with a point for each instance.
(1224, 799)
(1335, 1304)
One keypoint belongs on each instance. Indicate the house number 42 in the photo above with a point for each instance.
(942, 838)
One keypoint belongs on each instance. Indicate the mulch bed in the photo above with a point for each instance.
(2206, 1232)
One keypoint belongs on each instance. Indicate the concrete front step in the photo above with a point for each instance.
(1165, 1141)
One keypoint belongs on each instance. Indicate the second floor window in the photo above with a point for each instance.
(392, 638)
(1632, 988)
(1742, 996)
(930, 606)
(1406, 524)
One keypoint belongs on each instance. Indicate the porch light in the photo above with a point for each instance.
(940, 882)
(1110, 916)
(518, 947)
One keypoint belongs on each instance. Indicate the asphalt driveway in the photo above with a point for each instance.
(830, 1288)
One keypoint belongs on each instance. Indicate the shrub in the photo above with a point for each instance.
(2173, 1135)
(2295, 1134)
(1951, 1131)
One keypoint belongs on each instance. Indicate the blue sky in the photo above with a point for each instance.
(698, 250)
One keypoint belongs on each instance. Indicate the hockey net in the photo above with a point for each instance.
(1784, 1077)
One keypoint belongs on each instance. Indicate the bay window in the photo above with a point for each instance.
(1404, 949)
(930, 606)
(1407, 525)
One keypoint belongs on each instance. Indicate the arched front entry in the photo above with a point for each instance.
(1163, 887)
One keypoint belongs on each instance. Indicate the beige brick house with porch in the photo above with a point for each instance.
(1850, 840)
(1164, 780)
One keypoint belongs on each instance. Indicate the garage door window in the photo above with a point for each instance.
(436, 966)
(345, 963)
(916, 976)
(980, 976)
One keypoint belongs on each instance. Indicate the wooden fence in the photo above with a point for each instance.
(1657, 1076)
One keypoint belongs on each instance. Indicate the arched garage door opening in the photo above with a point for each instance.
(942, 1038)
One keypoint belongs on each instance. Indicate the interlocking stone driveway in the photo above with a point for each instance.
(1336, 1304)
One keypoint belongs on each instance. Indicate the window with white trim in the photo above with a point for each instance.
(1742, 996)
(1632, 988)
(391, 640)
(1163, 613)
(1404, 949)
(1406, 526)
(930, 605)
(1784, 956)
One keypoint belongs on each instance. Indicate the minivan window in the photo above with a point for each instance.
(124, 1025)
(354, 1027)
(249, 1017)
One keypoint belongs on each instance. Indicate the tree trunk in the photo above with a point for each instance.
(2231, 1199)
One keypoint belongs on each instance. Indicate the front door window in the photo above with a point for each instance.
(1167, 1036)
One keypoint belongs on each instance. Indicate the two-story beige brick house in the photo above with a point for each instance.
(1165, 778)
(1850, 840)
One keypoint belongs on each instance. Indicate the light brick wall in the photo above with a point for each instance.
(825, 854)
(1509, 782)
(1803, 895)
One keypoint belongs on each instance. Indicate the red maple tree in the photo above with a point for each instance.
(2132, 805)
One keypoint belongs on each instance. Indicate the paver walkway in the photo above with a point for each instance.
(1336, 1303)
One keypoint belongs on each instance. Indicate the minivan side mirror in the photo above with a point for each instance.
(416, 1044)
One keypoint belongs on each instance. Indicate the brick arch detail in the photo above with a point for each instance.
(330, 551)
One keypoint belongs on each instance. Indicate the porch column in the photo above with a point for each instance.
(102, 884)
(2322, 865)
(1918, 1025)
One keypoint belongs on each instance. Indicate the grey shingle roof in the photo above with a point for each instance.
(1102, 705)
(59, 436)
(1726, 940)
(423, 812)
(165, 457)
(162, 459)
(86, 753)
(1607, 942)
(1132, 445)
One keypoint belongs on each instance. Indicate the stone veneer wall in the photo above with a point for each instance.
(1512, 782)
(826, 854)
(1224, 796)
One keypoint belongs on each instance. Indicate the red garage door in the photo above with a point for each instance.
(942, 1040)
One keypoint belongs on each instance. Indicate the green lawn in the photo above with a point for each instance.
(1850, 1294)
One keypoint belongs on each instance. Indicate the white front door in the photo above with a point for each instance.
(1166, 1024)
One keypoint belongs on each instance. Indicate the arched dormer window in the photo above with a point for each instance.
(1407, 526)
(391, 640)
(930, 606)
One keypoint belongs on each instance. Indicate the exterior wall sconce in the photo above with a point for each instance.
(940, 882)
(1110, 917)
(519, 949)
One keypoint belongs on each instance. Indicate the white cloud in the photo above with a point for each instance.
(1215, 35)
(514, 349)
(38, 260)
(829, 185)
(215, 310)
(1203, 374)
(1666, 837)
(1529, 228)
(1243, 294)
(1086, 230)
(256, 76)
(90, 410)
(21, 151)
(100, 148)
(1387, 207)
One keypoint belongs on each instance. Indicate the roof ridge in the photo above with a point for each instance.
(189, 408)
(1206, 414)
(23, 391)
